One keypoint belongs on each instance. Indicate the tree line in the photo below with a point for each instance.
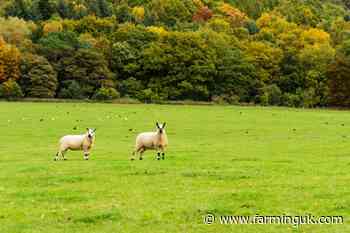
(270, 52)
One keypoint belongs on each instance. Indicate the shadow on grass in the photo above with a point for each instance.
(94, 219)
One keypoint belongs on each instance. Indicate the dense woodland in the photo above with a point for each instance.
(269, 52)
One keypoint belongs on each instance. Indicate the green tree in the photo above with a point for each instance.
(63, 9)
(57, 45)
(71, 89)
(45, 9)
(338, 76)
(89, 69)
(170, 12)
(19, 8)
(38, 78)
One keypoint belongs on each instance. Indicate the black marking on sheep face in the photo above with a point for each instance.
(160, 127)
(90, 133)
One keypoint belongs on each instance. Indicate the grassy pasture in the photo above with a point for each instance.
(222, 160)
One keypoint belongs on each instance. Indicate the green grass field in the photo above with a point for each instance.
(221, 160)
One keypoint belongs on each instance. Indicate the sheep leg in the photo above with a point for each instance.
(133, 155)
(163, 155)
(86, 155)
(62, 155)
(56, 157)
(158, 155)
(141, 150)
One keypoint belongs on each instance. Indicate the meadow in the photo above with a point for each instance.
(224, 160)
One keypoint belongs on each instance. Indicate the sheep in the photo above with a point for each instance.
(151, 140)
(83, 142)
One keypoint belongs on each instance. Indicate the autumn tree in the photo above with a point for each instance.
(9, 62)
(15, 30)
(266, 58)
(236, 17)
(203, 14)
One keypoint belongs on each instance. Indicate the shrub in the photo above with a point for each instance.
(10, 89)
(130, 87)
(309, 98)
(291, 100)
(271, 95)
(264, 99)
(226, 99)
(106, 94)
(72, 91)
(148, 96)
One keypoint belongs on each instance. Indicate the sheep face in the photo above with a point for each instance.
(160, 127)
(90, 133)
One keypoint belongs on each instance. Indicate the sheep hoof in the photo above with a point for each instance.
(132, 159)
(158, 158)
(141, 158)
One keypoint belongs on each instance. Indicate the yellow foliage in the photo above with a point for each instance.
(158, 30)
(2, 41)
(87, 37)
(274, 23)
(14, 30)
(2, 65)
(53, 26)
(315, 36)
(79, 7)
(265, 57)
(9, 62)
(198, 3)
(139, 13)
(69, 24)
(219, 25)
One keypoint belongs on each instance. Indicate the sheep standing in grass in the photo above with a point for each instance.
(83, 142)
(152, 141)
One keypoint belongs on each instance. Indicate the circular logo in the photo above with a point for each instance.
(209, 219)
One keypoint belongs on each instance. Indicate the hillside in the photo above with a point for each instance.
(268, 52)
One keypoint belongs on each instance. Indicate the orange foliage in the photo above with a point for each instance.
(236, 17)
(203, 14)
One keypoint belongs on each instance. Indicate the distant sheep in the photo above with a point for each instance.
(157, 140)
(83, 142)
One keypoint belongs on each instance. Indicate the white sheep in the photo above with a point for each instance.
(83, 142)
(152, 141)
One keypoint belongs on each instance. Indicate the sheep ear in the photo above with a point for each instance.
(164, 125)
(87, 129)
(157, 125)
(94, 130)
